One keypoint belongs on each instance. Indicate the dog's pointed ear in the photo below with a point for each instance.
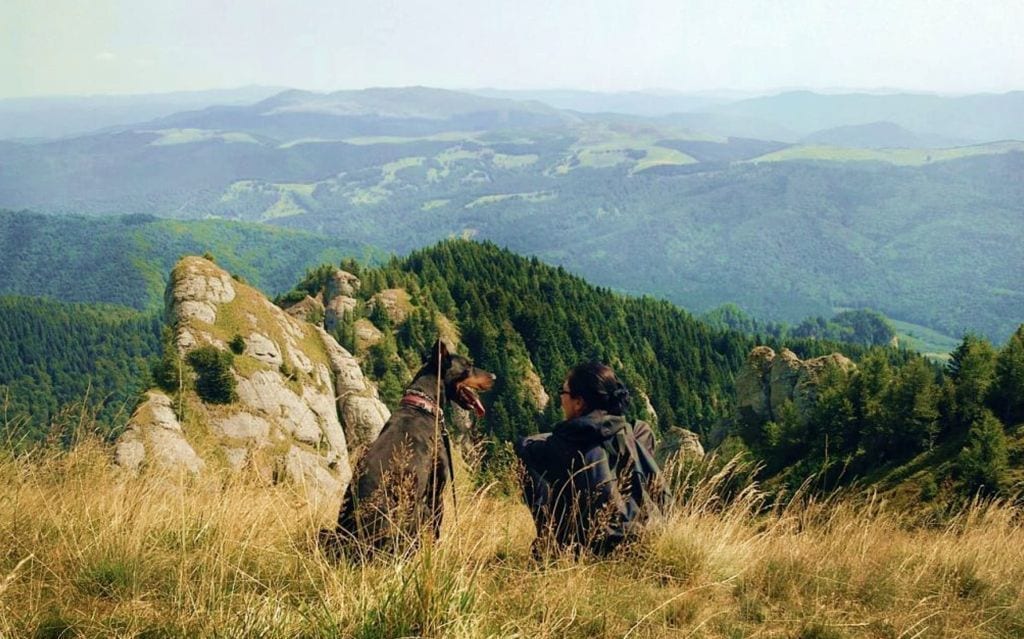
(438, 352)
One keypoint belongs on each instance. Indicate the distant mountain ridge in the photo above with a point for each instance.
(972, 118)
(877, 135)
(59, 116)
(410, 111)
(652, 205)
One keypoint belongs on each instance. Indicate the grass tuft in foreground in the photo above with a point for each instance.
(87, 551)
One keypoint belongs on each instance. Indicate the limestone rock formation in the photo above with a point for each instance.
(302, 399)
(336, 309)
(535, 389)
(366, 334)
(682, 443)
(646, 401)
(395, 302)
(360, 406)
(339, 297)
(341, 283)
(154, 427)
(768, 380)
(309, 309)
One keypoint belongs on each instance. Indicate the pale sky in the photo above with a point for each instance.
(141, 46)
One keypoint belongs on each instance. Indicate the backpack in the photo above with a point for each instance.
(634, 500)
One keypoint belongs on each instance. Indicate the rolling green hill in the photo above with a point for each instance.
(926, 236)
(125, 260)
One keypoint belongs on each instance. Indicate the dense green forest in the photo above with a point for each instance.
(517, 314)
(895, 407)
(863, 326)
(529, 322)
(57, 357)
(125, 260)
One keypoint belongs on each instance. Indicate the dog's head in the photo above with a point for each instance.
(462, 380)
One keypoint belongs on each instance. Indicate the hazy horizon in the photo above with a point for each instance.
(114, 47)
(654, 91)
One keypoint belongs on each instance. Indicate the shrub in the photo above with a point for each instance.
(107, 577)
(214, 380)
(237, 344)
(167, 372)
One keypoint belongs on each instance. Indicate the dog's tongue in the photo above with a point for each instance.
(478, 408)
(471, 398)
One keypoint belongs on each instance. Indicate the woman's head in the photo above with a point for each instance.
(593, 386)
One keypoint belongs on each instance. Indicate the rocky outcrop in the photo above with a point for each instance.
(535, 389)
(154, 428)
(309, 309)
(360, 406)
(768, 380)
(680, 443)
(395, 302)
(339, 297)
(652, 415)
(366, 334)
(302, 401)
(341, 283)
(336, 309)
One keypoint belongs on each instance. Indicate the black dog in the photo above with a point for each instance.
(399, 482)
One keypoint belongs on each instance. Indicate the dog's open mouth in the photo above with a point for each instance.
(468, 399)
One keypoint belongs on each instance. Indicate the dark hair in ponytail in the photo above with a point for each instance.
(599, 388)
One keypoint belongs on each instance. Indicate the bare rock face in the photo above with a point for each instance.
(336, 309)
(341, 283)
(395, 302)
(782, 379)
(361, 410)
(752, 393)
(309, 309)
(339, 297)
(195, 291)
(652, 414)
(366, 334)
(681, 443)
(768, 380)
(295, 386)
(154, 433)
(535, 389)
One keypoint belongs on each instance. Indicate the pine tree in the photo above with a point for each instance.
(1007, 392)
(984, 461)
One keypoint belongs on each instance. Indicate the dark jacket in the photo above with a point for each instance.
(590, 481)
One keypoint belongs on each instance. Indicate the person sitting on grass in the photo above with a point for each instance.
(589, 482)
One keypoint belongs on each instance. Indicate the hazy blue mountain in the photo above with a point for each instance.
(974, 118)
(407, 111)
(731, 125)
(629, 102)
(877, 135)
(58, 116)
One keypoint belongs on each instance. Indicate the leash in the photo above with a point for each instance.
(447, 442)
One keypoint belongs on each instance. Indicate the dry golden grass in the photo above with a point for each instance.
(87, 551)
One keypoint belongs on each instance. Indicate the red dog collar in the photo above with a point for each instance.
(422, 402)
